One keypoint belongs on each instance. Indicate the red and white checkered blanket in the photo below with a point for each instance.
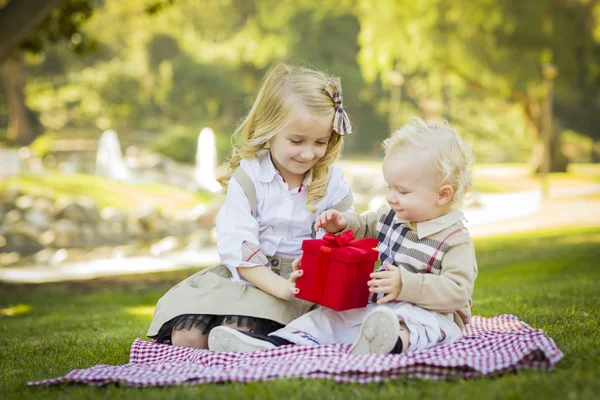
(491, 346)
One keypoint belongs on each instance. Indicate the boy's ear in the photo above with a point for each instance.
(445, 195)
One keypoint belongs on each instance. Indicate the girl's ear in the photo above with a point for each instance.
(445, 195)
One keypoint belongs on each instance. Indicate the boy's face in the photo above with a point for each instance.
(413, 185)
(299, 147)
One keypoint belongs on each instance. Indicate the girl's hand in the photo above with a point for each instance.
(331, 221)
(389, 282)
(292, 290)
(296, 263)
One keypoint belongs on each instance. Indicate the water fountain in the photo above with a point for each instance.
(206, 162)
(109, 159)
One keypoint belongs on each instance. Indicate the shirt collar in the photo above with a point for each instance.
(268, 170)
(433, 226)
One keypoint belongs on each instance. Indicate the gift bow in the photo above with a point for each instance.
(346, 239)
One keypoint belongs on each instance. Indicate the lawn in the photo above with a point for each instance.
(108, 193)
(550, 279)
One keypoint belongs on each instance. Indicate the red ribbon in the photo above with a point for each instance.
(344, 239)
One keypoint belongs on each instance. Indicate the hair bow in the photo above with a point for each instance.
(341, 122)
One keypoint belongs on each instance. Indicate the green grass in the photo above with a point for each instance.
(549, 279)
(106, 192)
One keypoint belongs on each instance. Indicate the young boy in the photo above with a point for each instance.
(422, 292)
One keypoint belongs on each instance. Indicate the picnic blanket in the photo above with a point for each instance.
(491, 346)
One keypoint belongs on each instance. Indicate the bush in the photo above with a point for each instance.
(180, 146)
(42, 145)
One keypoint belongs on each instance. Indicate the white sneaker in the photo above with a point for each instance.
(378, 333)
(224, 340)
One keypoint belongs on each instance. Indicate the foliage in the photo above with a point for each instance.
(64, 22)
(42, 145)
(166, 63)
(548, 279)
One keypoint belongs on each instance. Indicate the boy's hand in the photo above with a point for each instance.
(331, 221)
(388, 282)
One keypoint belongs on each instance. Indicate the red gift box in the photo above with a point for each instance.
(336, 270)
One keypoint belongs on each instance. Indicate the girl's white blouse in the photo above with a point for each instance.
(282, 220)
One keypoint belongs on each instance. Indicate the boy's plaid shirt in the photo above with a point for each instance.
(401, 247)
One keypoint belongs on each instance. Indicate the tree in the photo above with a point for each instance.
(485, 49)
(29, 26)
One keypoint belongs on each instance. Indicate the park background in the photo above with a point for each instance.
(519, 80)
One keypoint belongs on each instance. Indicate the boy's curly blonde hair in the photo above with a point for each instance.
(452, 157)
(283, 87)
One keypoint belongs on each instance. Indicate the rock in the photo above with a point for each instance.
(213, 236)
(104, 230)
(43, 256)
(59, 257)
(7, 259)
(26, 228)
(44, 203)
(133, 228)
(166, 245)
(91, 208)
(123, 251)
(67, 208)
(39, 218)
(24, 202)
(47, 238)
(205, 215)
(11, 194)
(112, 214)
(12, 217)
(151, 221)
(20, 243)
(199, 239)
(66, 232)
(88, 234)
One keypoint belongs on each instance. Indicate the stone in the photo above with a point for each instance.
(66, 232)
(24, 202)
(11, 163)
(20, 243)
(113, 214)
(39, 218)
(7, 259)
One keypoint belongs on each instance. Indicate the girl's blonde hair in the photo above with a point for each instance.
(452, 157)
(283, 88)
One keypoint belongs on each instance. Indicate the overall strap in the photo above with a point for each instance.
(247, 186)
(345, 203)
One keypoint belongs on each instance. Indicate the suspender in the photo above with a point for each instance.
(248, 187)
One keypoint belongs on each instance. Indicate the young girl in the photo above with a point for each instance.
(278, 182)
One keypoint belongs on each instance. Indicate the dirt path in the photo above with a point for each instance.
(553, 213)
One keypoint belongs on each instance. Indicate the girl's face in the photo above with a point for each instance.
(299, 147)
(413, 186)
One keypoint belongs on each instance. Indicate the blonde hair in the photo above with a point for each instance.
(452, 157)
(283, 87)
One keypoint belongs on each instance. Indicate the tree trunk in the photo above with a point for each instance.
(595, 153)
(558, 160)
(12, 74)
